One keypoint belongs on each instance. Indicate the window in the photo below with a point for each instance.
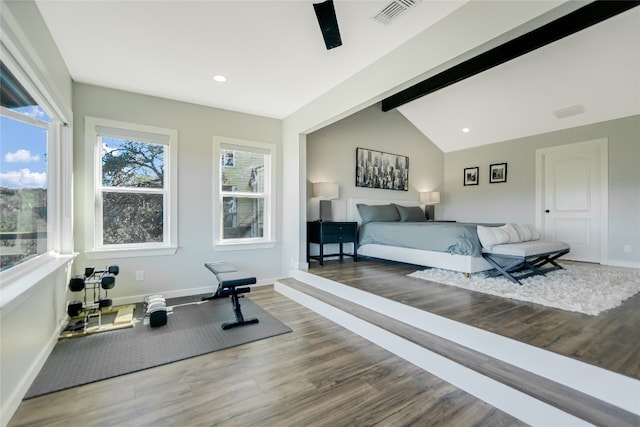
(23, 184)
(134, 191)
(36, 171)
(24, 132)
(245, 193)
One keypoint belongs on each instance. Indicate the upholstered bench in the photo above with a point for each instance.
(516, 253)
(229, 282)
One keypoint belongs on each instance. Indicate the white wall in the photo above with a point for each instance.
(514, 201)
(184, 272)
(331, 157)
(29, 329)
(32, 306)
(449, 41)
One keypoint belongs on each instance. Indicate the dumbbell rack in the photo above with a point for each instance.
(94, 280)
(93, 310)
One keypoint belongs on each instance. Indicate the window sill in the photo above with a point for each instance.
(129, 253)
(18, 282)
(237, 246)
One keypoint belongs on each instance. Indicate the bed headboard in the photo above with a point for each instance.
(352, 209)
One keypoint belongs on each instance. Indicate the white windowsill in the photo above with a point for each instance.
(19, 281)
(236, 246)
(129, 253)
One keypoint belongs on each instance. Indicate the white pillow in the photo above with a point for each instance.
(526, 232)
(491, 236)
(514, 237)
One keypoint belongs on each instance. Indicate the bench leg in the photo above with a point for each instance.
(237, 309)
(504, 271)
(549, 259)
(524, 264)
(219, 293)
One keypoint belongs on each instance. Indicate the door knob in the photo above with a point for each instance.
(547, 211)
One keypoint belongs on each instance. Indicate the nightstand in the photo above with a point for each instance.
(323, 232)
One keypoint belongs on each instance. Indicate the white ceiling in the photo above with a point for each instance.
(597, 68)
(274, 58)
(271, 52)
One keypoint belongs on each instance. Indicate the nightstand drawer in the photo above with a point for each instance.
(337, 238)
(338, 230)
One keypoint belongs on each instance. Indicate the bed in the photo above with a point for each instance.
(452, 246)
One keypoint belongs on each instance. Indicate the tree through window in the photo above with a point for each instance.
(134, 192)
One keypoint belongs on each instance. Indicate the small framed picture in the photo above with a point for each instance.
(471, 176)
(498, 173)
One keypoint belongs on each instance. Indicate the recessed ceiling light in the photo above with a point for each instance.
(219, 78)
(466, 130)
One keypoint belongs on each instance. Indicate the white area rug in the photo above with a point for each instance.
(584, 288)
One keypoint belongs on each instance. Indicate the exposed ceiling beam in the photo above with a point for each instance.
(571, 23)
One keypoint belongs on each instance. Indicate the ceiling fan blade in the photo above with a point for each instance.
(326, 14)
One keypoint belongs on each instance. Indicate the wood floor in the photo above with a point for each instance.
(323, 375)
(318, 375)
(610, 340)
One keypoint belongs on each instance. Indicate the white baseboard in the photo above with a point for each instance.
(132, 299)
(627, 264)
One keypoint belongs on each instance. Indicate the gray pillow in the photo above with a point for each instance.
(378, 213)
(411, 213)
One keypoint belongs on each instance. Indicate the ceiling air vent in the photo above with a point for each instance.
(569, 111)
(394, 9)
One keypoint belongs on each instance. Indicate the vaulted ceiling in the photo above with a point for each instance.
(275, 62)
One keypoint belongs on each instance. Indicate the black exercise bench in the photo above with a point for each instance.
(229, 282)
(517, 261)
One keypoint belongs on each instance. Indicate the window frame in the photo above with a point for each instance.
(17, 282)
(94, 248)
(269, 195)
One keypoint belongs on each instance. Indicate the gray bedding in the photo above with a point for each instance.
(454, 238)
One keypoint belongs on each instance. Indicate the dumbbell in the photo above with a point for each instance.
(74, 308)
(156, 310)
(76, 284)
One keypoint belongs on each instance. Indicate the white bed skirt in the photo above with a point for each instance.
(447, 261)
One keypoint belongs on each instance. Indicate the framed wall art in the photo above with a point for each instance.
(376, 169)
(498, 173)
(471, 175)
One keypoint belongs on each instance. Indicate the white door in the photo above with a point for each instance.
(572, 198)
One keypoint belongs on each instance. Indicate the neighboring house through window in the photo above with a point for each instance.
(244, 202)
(134, 190)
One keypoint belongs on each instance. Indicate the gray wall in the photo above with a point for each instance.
(331, 157)
(183, 272)
(514, 201)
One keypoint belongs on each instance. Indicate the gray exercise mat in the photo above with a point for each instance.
(191, 330)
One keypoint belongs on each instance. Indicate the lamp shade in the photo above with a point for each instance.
(324, 190)
(430, 197)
